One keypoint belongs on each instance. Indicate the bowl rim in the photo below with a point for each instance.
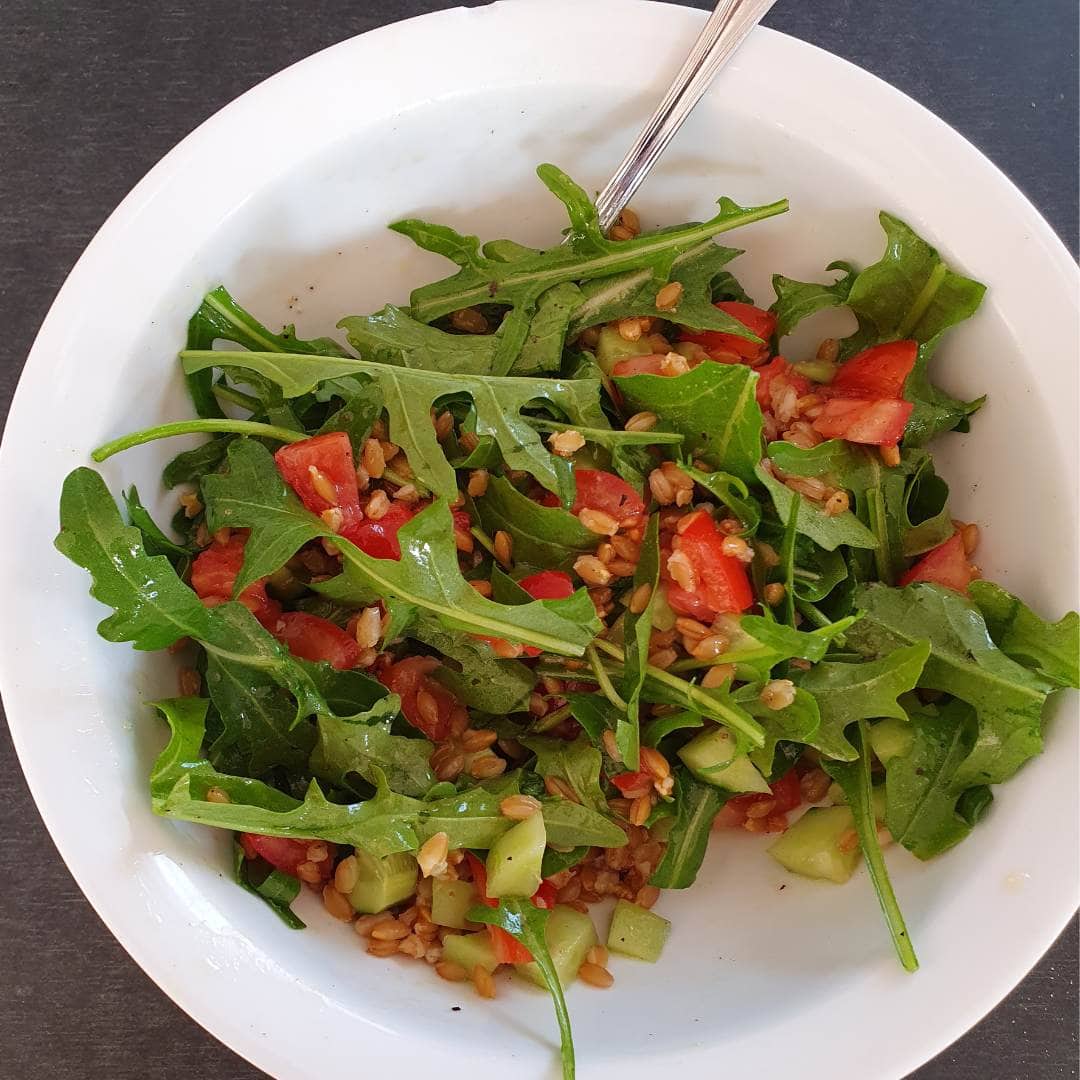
(199, 142)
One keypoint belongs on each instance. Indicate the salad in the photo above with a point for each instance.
(509, 606)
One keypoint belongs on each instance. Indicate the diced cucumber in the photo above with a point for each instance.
(470, 950)
(836, 796)
(636, 931)
(663, 617)
(514, 861)
(711, 757)
(613, 347)
(450, 900)
(819, 371)
(570, 935)
(890, 737)
(382, 882)
(811, 847)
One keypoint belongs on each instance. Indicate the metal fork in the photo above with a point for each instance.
(724, 31)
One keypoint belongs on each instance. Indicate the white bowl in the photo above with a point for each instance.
(284, 196)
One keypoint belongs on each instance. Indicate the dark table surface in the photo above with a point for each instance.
(92, 94)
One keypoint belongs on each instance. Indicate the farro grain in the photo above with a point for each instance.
(373, 459)
(504, 548)
(377, 947)
(777, 693)
(478, 739)
(639, 598)
(591, 570)
(469, 320)
(431, 857)
(717, 675)
(595, 975)
(646, 896)
(667, 299)
(478, 482)
(487, 766)
(368, 627)
(566, 443)
(611, 748)
(217, 795)
(482, 587)
(336, 904)
(390, 930)
(641, 421)
(377, 506)
(597, 521)
(519, 807)
(774, 593)
(450, 971)
(629, 329)
(837, 503)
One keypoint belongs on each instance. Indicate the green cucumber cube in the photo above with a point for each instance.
(450, 901)
(613, 347)
(811, 847)
(382, 882)
(514, 861)
(636, 931)
(570, 934)
(712, 758)
(470, 950)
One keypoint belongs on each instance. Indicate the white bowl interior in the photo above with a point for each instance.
(761, 965)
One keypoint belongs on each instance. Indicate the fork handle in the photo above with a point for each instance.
(724, 31)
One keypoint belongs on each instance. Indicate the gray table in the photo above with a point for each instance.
(94, 93)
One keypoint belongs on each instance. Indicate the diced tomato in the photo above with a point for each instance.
(307, 466)
(409, 678)
(723, 583)
(213, 575)
(379, 538)
(946, 565)
(548, 585)
(633, 784)
(876, 373)
(462, 522)
(313, 638)
(545, 896)
(651, 364)
(757, 321)
(287, 855)
(689, 604)
(858, 420)
(599, 490)
(785, 794)
(776, 368)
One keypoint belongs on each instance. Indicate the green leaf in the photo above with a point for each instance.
(155, 541)
(731, 492)
(577, 763)
(357, 415)
(854, 779)
(634, 293)
(253, 495)
(258, 721)
(712, 405)
(152, 608)
(546, 536)
(964, 662)
(637, 629)
(798, 722)
(798, 300)
(848, 692)
(587, 254)
(276, 889)
(594, 713)
(528, 925)
(555, 862)
(409, 395)
(484, 681)
(696, 805)
(360, 746)
(190, 466)
(542, 351)
(921, 789)
(1051, 649)
(569, 824)
(934, 410)
(660, 727)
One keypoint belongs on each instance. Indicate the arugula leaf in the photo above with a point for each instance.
(964, 662)
(253, 495)
(484, 682)
(637, 629)
(909, 293)
(712, 405)
(854, 779)
(347, 747)
(830, 532)
(696, 805)
(1051, 649)
(660, 727)
(155, 542)
(258, 718)
(542, 351)
(577, 762)
(921, 791)
(555, 862)
(634, 293)
(276, 889)
(528, 925)
(219, 316)
(848, 692)
(798, 722)
(731, 492)
(190, 466)
(798, 300)
(357, 415)
(934, 411)
(594, 713)
(546, 536)
(926, 521)
(586, 255)
(409, 395)
(570, 824)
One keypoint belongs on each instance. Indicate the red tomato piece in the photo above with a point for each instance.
(312, 638)
(858, 420)
(785, 794)
(286, 855)
(946, 565)
(310, 465)
(689, 604)
(213, 575)
(548, 585)
(545, 896)
(776, 372)
(723, 583)
(409, 678)
(633, 784)
(755, 319)
(876, 373)
(379, 538)
(599, 490)
(651, 364)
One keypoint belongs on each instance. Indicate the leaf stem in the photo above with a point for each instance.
(195, 427)
(606, 685)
